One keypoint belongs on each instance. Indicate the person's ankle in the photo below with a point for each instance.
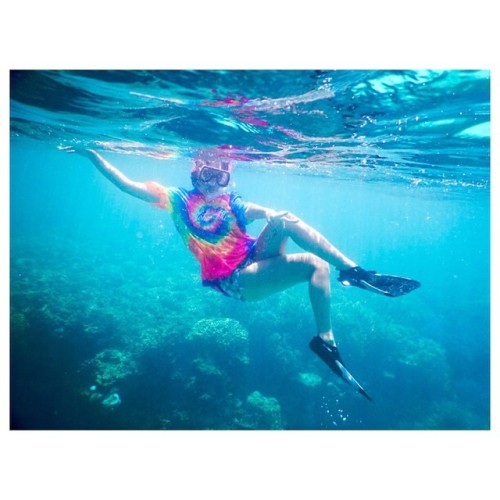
(345, 266)
(328, 338)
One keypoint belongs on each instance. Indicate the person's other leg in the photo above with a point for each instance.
(276, 274)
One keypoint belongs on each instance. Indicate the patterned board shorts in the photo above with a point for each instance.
(230, 286)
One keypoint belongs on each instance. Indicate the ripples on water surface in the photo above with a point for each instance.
(417, 126)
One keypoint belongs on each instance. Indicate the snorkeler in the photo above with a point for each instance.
(212, 220)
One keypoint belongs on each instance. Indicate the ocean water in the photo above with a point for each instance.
(110, 326)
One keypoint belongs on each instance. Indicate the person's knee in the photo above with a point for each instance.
(275, 224)
(285, 224)
(320, 277)
(320, 268)
(290, 221)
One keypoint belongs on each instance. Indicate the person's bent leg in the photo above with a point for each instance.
(276, 274)
(273, 238)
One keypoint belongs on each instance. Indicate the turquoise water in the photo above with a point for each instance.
(110, 327)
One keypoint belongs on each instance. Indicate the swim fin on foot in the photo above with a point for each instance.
(330, 355)
(385, 284)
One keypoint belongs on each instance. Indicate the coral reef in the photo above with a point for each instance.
(110, 366)
(223, 339)
(113, 399)
(138, 325)
(261, 413)
(448, 415)
(310, 379)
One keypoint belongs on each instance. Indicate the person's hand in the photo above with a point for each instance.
(87, 153)
(272, 215)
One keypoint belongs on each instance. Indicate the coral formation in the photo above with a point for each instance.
(113, 399)
(185, 357)
(224, 338)
(310, 379)
(111, 365)
(261, 413)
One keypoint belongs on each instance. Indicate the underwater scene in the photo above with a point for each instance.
(110, 326)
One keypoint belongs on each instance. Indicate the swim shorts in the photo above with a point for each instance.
(230, 286)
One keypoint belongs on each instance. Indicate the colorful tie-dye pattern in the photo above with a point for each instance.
(214, 231)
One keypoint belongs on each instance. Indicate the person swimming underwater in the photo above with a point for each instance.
(212, 221)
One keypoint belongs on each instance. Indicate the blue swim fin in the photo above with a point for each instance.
(330, 355)
(385, 284)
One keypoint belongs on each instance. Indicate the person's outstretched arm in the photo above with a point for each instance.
(118, 178)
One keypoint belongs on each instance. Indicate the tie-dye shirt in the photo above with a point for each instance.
(214, 231)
